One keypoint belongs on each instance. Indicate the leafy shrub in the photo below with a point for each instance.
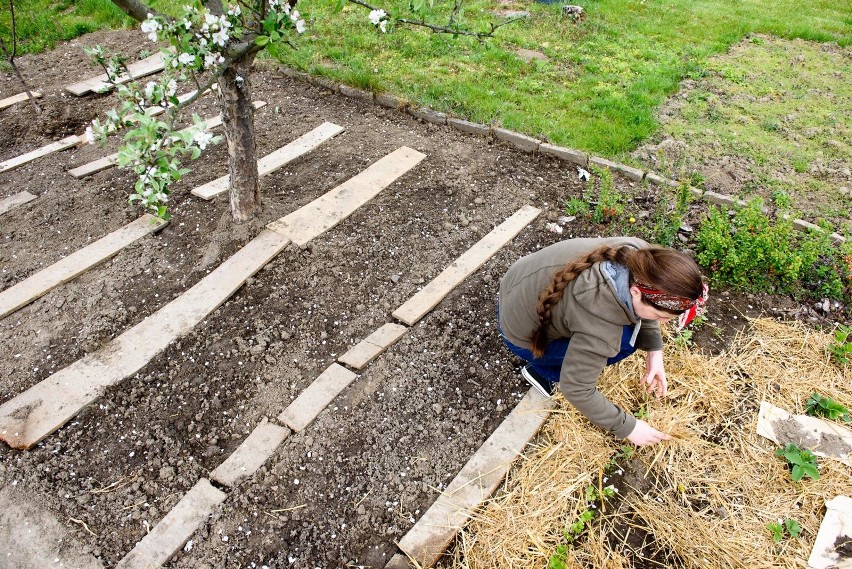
(753, 251)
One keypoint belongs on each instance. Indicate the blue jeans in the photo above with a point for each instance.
(550, 363)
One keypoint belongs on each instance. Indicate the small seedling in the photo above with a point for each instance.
(801, 461)
(642, 413)
(559, 559)
(683, 338)
(790, 527)
(841, 348)
(819, 406)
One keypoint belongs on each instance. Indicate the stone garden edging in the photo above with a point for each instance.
(525, 143)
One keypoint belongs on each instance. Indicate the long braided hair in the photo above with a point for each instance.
(660, 267)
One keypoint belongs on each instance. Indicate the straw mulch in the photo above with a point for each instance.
(702, 500)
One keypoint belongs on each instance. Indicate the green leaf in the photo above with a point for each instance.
(793, 527)
(777, 531)
(810, 470)
(261, 40)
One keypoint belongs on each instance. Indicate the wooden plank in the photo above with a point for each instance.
(310, 403)
(15, 200)
(141, 68)
(173, 531)
(34, 414)
(276, 159)
(76, 263)
(433, 532)
(336, 205)
(57, 146)
(834, 532)
(109, 161)
(9, 101)
(370, 347)
(418, 305)
(823, 438)
(251, 454)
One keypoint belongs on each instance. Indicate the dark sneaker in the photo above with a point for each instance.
(539, 383)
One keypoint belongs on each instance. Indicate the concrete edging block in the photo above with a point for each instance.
(563, 153)
(355, 93)
(323, 82)
(390, 101)
(469, 127)
(516, 139)
(634, 174)
(427, 114)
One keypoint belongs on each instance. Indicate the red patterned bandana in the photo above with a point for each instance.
(664, 300)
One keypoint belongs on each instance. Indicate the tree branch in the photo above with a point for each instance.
(135, 9)
(451, 28)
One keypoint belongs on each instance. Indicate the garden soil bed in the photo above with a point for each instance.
(343, 491)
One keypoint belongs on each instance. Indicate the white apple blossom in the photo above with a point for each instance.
(202, 139)
(149, 89)
(151, 27)
(90, 135)
(234, 10)
(220, 38)
(171, 87)
(212, 59)
(186, 58)
(383, 25)
(294, 16)
(377, 16)
(300, 26)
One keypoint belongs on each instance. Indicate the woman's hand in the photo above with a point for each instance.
(654, 380)
(644, 434)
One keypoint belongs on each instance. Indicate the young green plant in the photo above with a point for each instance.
(819, 406)
(784, 528)
(802, 462)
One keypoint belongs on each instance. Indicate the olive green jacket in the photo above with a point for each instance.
(592, 313)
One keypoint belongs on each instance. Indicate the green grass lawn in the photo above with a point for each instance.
(40, 24)
(596, 88)
(600, 83)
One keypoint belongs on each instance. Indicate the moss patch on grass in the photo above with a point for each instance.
(770, 117)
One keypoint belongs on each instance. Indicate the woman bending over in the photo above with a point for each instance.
(581, 304)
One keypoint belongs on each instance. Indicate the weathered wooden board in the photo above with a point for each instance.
(99, 84)
(336, 205)
(418, 305)
(76, 263)
(433, 532)
(276, 159)
(9, 101)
